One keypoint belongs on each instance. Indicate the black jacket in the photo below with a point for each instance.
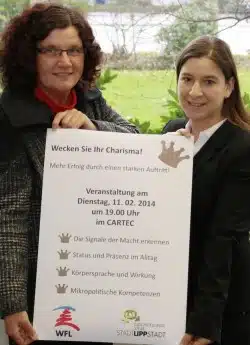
(219, 261)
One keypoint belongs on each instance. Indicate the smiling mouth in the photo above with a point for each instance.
(62, 74)
(196, 105)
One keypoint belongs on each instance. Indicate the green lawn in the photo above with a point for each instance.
(142, 94)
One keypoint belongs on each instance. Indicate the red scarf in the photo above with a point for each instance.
(55, 107)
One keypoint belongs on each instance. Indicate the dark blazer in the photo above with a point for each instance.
(23, 124)
(219, 261)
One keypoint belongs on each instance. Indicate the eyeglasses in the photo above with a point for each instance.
(58, 52)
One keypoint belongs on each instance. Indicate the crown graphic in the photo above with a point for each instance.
(61, 288)
(171, 157)
(63, 254)
(65, 238)
(62, 272)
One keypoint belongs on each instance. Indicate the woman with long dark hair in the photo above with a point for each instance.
(219, 262)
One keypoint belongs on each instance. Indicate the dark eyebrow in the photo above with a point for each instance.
(186, 74)
(204, 77)
(210, 77)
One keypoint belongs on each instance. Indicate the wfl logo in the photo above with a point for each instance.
(65, 319)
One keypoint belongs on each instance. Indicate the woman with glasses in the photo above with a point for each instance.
(48, 63)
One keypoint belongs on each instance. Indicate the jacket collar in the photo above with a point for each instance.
(24, 110)
(217, 142)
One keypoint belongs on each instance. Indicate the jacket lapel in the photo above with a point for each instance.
(215, 144)
(25, 111)
(31, 118)
(35, 143)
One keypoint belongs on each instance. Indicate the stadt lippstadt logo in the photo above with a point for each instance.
(64, 326)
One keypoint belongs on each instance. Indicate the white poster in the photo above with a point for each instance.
(114, 237)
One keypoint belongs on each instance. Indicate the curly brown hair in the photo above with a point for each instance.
(20, 38)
